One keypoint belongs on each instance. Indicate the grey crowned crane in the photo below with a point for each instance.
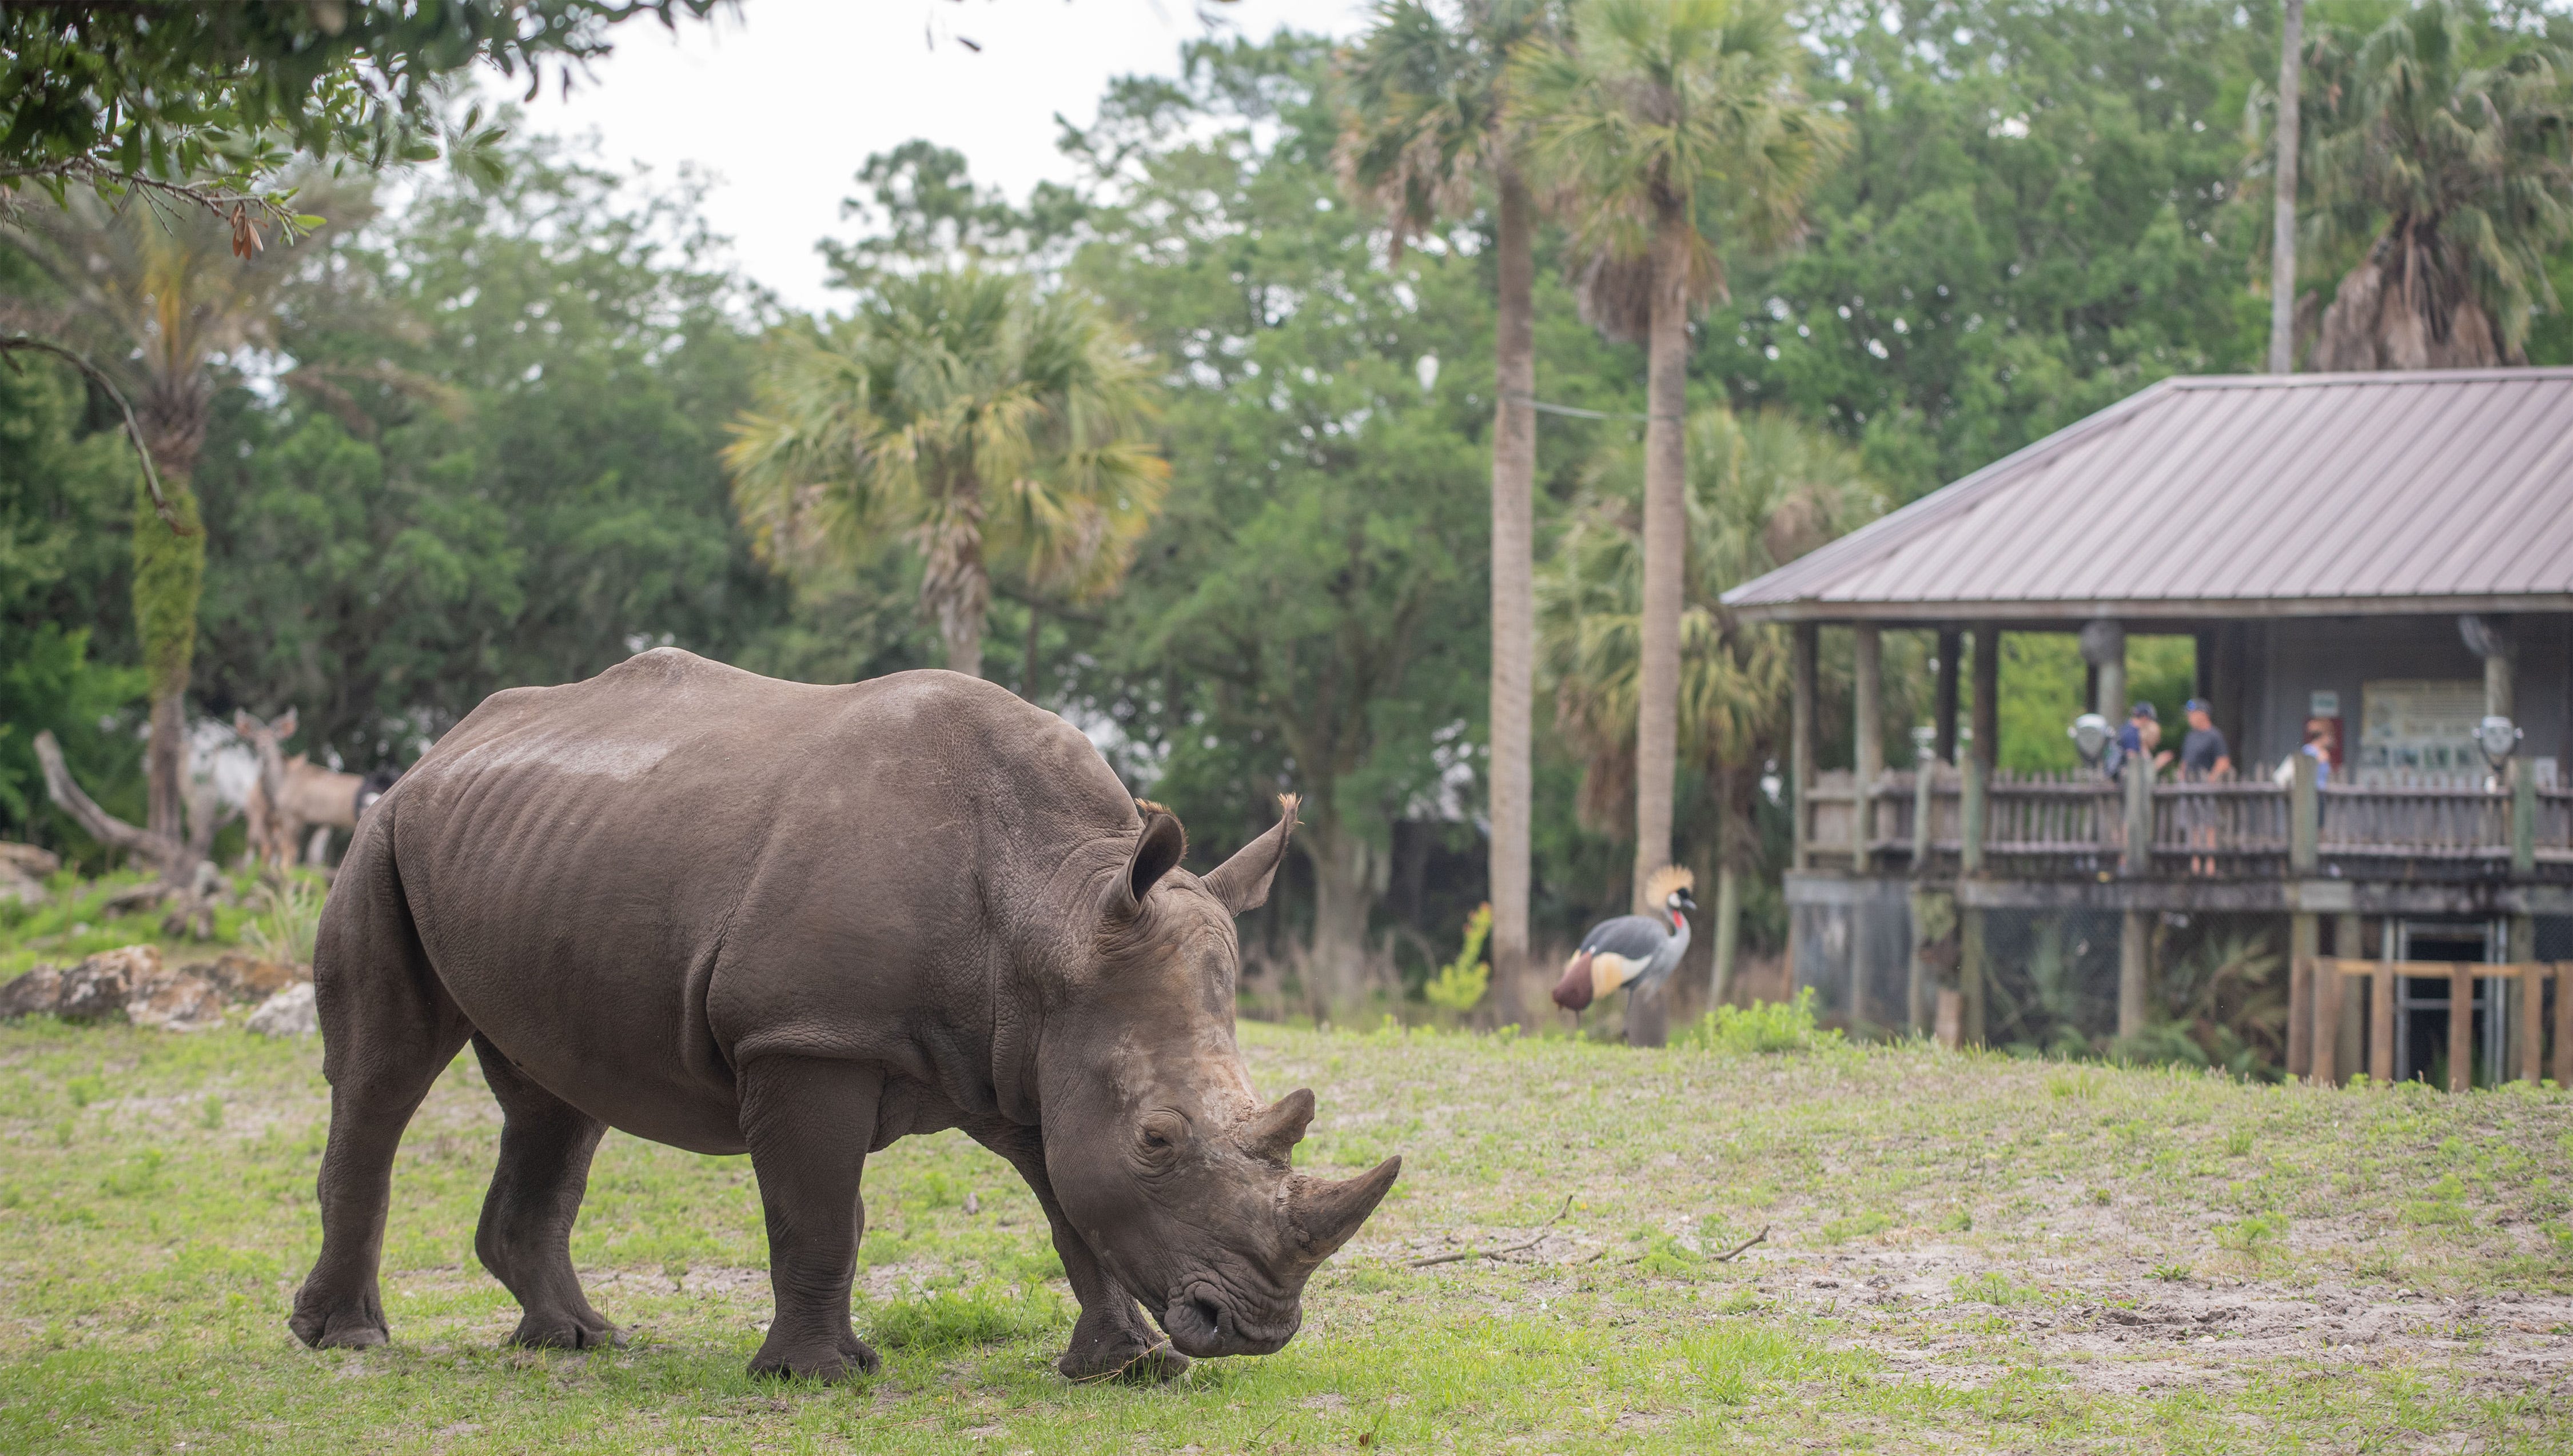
(1632, 950)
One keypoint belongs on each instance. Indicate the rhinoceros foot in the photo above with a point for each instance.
(573, 1331)
(842, 1359)
(1142, 1365)
(356, 1326)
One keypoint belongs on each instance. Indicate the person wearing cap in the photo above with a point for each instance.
(2204, 753)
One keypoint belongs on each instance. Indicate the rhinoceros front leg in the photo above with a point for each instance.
(808, 1123)
(1112, 1339)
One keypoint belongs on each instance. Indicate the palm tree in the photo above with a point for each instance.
(2444, 151)
(1427, 122)
(157, 296)
(1664, 122)
(1763, 489)
(969, 415)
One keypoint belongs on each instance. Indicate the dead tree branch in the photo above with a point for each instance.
(1493, 1253)
(1743, 1247)
(151, 476)
(177, 860)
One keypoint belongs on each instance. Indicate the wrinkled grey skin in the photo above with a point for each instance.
(737, 915)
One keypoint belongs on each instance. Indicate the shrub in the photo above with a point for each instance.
(288, 914)
(1460, 983)
(1775, 1025)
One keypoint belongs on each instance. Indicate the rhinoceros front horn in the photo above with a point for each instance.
(1324, 1214)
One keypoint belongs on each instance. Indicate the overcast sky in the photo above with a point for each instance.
(784, 102)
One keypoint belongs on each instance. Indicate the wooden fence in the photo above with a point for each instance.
(2077, 825)
(2326, 982)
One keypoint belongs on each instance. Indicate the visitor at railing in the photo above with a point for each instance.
(2204, 757)
(2317, 747)
(2136, 740)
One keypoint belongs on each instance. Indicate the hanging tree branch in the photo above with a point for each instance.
(13, 342)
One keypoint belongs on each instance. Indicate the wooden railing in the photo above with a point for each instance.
(2077, 825)
(2325, 980)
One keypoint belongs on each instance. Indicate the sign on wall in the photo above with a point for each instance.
(2416, 728)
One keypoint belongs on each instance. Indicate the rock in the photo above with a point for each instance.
(243, 977)
(98, 989)
(23, 869)
(32, 995)
(287, 1013)
(177, 1003)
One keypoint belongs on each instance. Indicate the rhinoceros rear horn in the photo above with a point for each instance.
(1325, 1214)
(1274, 1131)
(1241, 884)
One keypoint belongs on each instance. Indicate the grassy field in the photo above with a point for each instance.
(1962, 1253)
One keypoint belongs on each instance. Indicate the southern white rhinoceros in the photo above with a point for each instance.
(738, 915)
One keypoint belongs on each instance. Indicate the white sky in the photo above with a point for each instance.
(783, 103)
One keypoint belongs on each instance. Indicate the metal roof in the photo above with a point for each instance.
(2230, 496)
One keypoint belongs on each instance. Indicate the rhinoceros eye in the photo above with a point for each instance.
(1161, 1133)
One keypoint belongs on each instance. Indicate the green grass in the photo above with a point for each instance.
(2274, 1269)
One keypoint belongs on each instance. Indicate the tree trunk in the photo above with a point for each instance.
(1514, 597)
(1348, 871)
(2283, 220)
(957, 589)
(1665, 527)
(2399, 311)
(169, 577)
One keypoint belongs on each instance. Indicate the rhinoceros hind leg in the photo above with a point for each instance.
(1112, 1341)
(809, 1122)
(388, 1028)
(525, 1238)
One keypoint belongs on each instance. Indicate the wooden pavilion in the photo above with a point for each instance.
(2389, 552)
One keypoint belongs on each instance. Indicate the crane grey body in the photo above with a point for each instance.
(1636, 952)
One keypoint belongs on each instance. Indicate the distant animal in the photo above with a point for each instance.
(1633, 951)
(292, 796)
(736, 915)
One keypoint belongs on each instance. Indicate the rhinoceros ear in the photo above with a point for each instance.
(1158, 851)
(1242, 883)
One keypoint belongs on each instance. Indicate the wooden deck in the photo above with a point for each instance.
(2083, 827)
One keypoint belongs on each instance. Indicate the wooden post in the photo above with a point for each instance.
(2380, 1016)
(2523, 821)
(2531, 1000)
(1800, 729)
(1970, 807)
(1969, 976)
(2139, 861)
(1917, 985)
(1952, 646)
(2104, 646)
(2326, 1050)
(2304, 816)
(2461, 1027)
(1867, 737)
(2564, 1024)
(2351, 1032)
(1987, 696)
(2526, 997)
(1978, 766)
(2135, 953)
(2303, 945)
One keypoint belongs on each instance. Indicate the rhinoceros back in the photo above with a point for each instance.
(631, 883)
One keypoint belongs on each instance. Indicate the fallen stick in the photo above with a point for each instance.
(1761, 1237)
(1493, 1253)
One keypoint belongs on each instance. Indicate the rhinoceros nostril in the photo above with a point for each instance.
(1208, 1312)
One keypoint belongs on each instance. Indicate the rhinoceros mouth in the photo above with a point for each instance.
(1202, 1323)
